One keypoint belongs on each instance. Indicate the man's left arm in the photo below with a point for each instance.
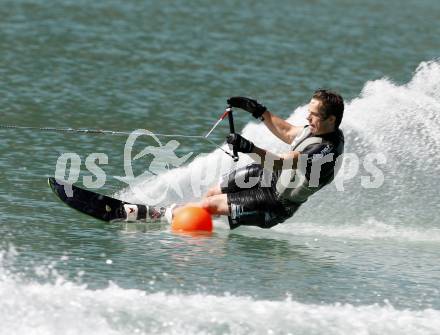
(288, 160)
(269, 159)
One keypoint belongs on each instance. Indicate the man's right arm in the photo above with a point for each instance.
(282, 129)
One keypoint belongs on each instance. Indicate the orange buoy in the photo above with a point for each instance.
(189, 219)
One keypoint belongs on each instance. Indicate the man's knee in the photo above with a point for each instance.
(216, 204)
(213, 191)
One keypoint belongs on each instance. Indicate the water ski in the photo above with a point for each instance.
(103, 207)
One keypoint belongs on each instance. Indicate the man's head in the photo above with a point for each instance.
(326, 109)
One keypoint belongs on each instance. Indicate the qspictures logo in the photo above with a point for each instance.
(164, 158)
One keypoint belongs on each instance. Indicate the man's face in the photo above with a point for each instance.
(319, 125)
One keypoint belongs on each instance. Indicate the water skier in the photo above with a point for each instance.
(281, 183)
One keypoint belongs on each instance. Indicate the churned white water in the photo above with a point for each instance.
(62, 307)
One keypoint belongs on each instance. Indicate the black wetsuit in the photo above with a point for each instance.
(255, 196)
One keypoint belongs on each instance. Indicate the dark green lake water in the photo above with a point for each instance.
(353, 260)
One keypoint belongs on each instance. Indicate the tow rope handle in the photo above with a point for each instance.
(232, 131)
(228, 113)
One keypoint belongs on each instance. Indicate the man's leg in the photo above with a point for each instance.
(215, 190)
(216, 204)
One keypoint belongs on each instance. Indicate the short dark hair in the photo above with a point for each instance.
(331, 104)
